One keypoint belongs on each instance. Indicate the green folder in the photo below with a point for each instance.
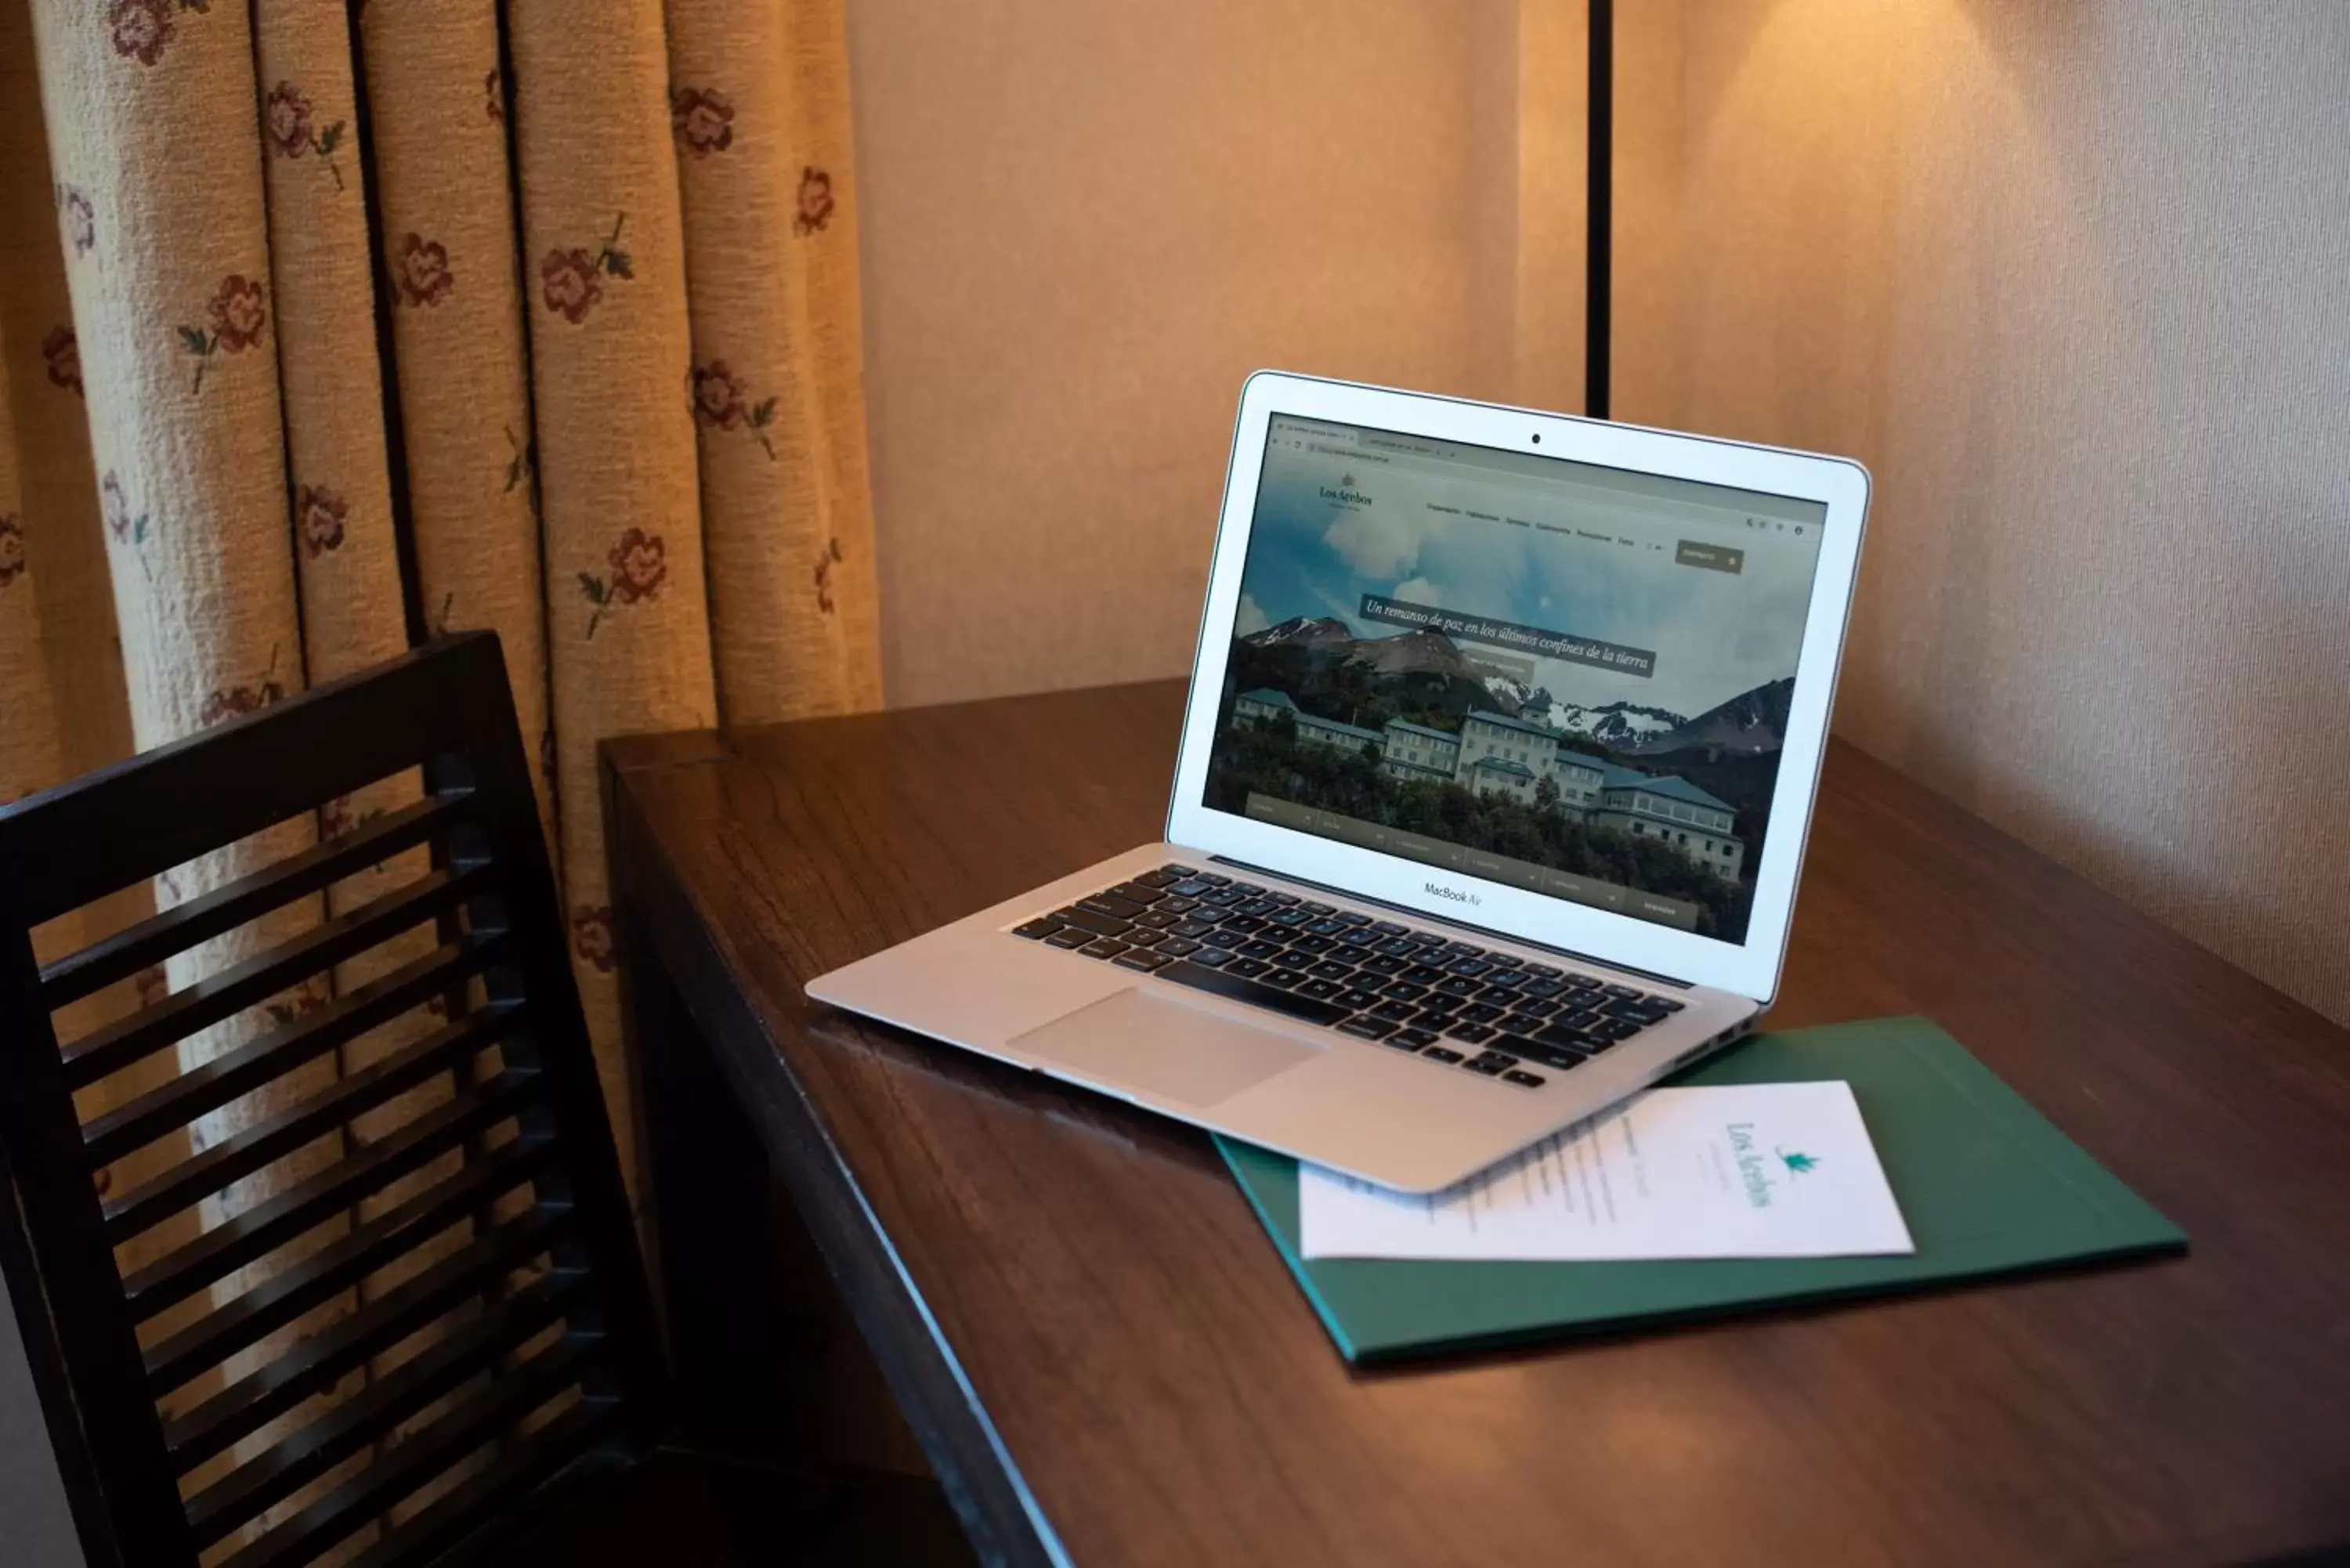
(1987, 1185)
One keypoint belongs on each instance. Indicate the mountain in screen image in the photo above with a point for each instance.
(1406, 653)
(1303, 631)
(1412, 653)
(1418, 675)
(1619, 726)
(1748, 723)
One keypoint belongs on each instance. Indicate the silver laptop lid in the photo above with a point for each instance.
(1560, 678)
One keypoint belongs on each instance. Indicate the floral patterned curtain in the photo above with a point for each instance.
(323, 329)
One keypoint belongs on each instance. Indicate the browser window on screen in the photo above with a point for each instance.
(1554, 676)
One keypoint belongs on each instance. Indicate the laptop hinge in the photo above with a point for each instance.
(1469, 926)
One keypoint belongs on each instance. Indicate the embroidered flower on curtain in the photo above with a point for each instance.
(591, 936)
(640, 565)
(824, 564)
(116, 508)
(300, 1003)
(140, 28)
(80, 220)
(12, 550)
(702, 119)
(238, 313)
(228, 701)
(816, 201)
(339, 816)
(720, 403)
(717, 396)
(62, 349)
(571, 284)
(287, 117)
(239, 316)
(573, 280)
(423, 274)
(319, 516)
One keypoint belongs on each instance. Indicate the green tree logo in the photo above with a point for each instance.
(1799, 1163)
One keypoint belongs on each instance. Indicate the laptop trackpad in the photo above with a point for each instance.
(1163, 1046)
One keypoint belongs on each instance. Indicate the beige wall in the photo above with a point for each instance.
(1085, 221)
(2073, 278)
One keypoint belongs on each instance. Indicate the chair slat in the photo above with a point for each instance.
(321, 1361)
(421, 1456)
(182, 927)
(183, 1013)
(571, 1439)
(270, 1224)
(342, 1264)
(242, 1153)
(388, 1398)
(140, 1121)
(193, 796)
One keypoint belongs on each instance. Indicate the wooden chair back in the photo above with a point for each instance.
(387, 1347)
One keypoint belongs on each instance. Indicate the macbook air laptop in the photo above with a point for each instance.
(1501, 748)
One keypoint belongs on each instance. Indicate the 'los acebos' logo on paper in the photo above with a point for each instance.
(1753, 1172)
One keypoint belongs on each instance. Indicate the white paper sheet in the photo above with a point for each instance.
(1758, 1170)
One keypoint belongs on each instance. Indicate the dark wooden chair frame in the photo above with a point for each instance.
(445, 708)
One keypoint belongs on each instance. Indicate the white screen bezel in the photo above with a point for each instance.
(1748, 969)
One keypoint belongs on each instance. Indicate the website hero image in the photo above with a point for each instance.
(1553, 676)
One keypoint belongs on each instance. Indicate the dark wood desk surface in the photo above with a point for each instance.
(1107, 1364)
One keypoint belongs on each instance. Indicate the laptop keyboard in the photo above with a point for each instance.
(1446, 1002)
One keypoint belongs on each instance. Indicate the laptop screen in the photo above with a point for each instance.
(1563, 678)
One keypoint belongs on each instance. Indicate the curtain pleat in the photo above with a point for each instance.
(437, 101)
(603, 262)
(31, 746)
(827, 207)
(158, 177)
(343, 549)
(759, 111)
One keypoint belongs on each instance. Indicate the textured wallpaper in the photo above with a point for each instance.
(1067, 281)
(2075, 281)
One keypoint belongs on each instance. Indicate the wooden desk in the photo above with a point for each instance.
(1107, 1363)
